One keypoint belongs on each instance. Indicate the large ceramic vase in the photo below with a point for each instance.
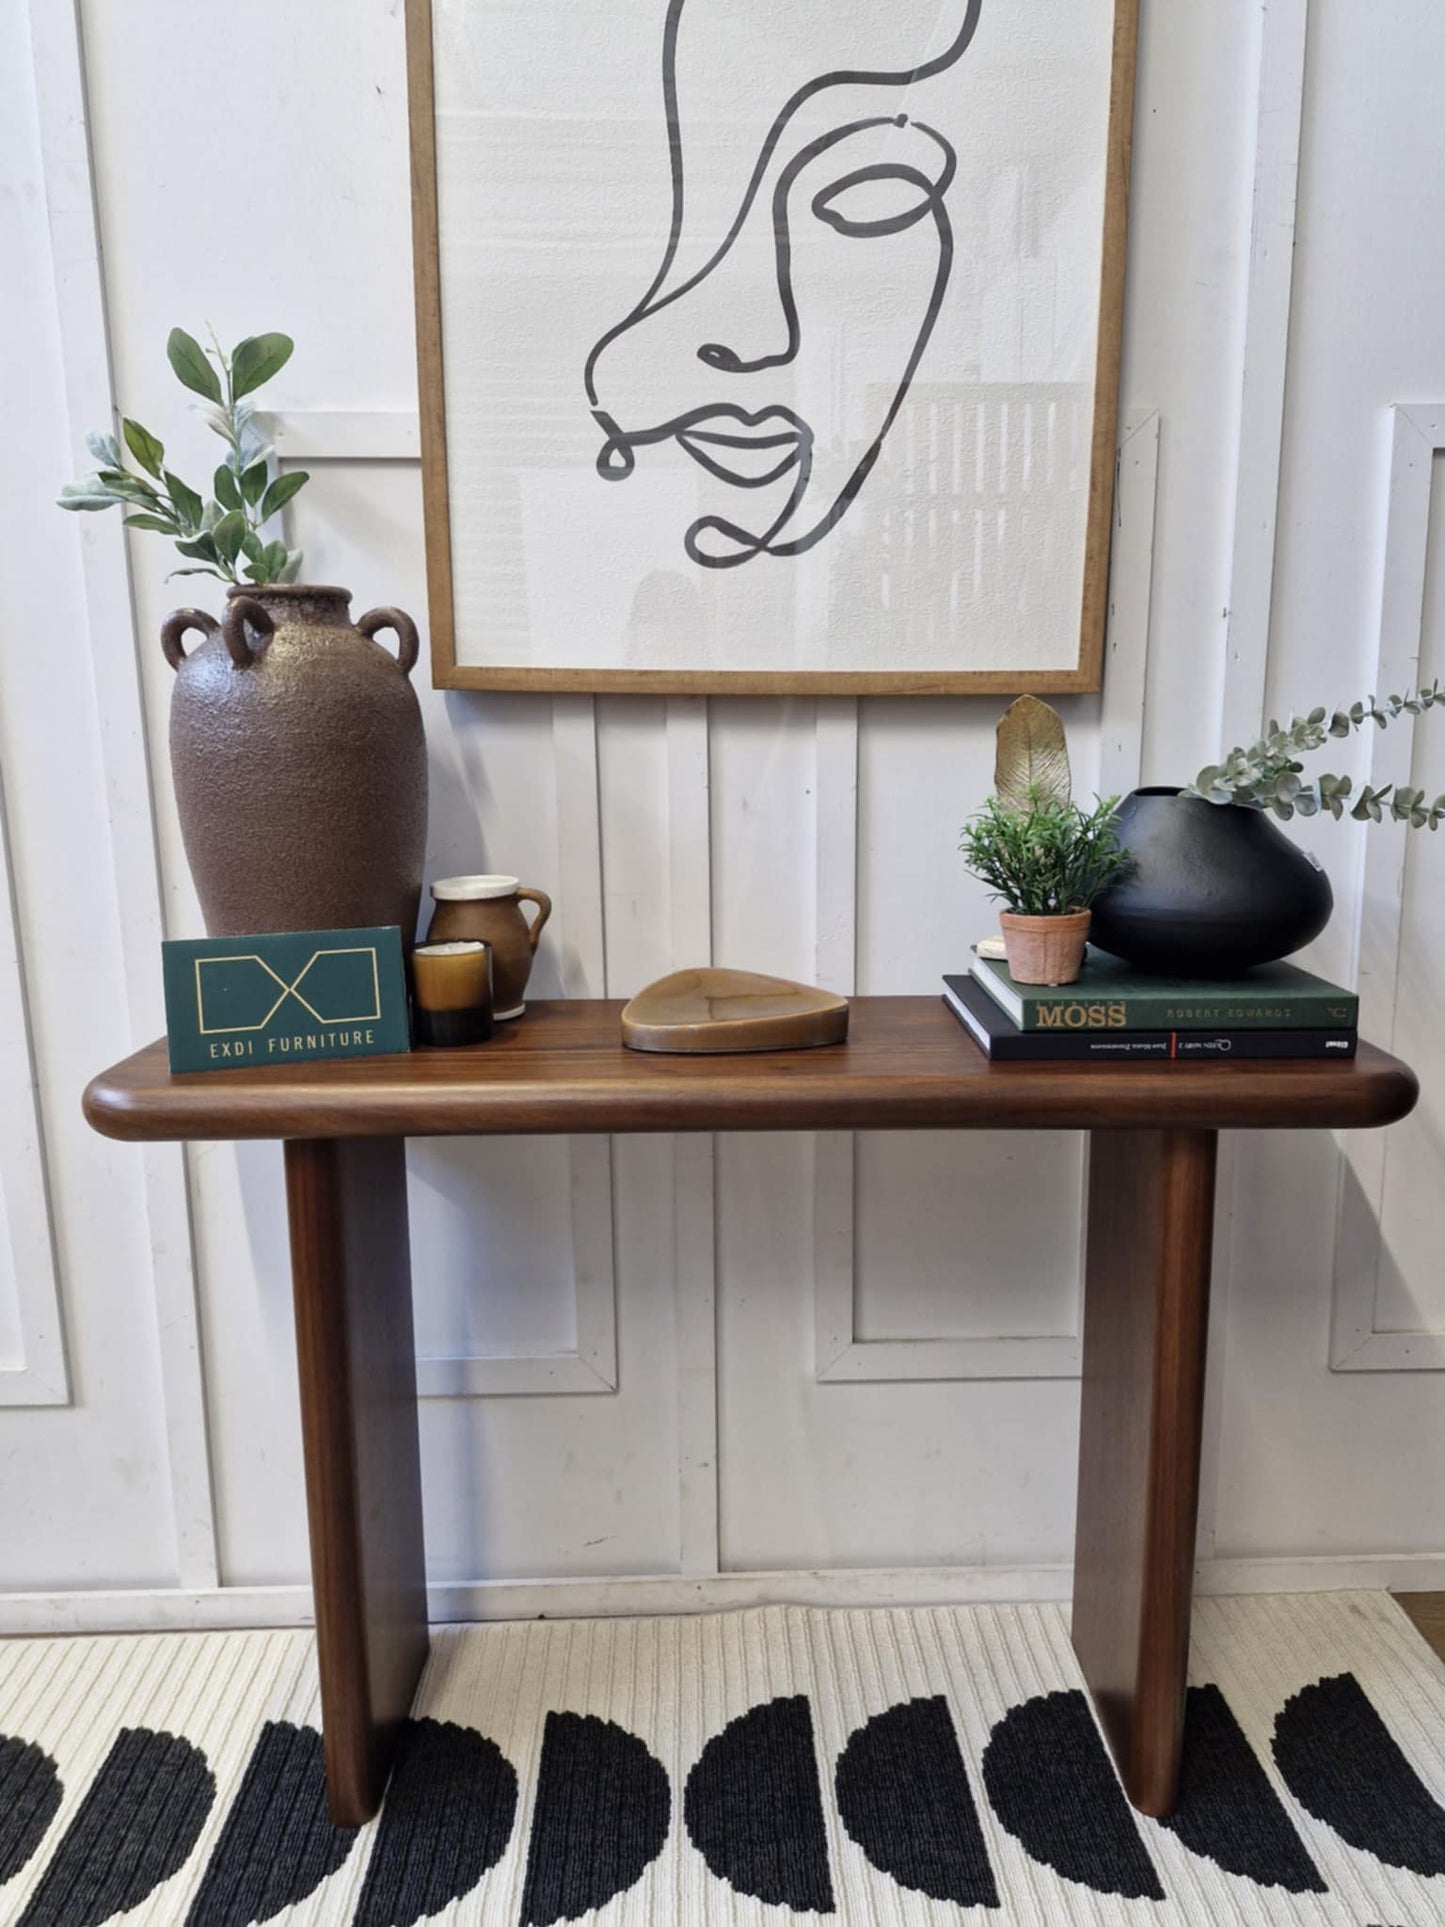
(1214, 888)
(299, 762)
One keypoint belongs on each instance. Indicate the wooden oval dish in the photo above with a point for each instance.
(714, 1011)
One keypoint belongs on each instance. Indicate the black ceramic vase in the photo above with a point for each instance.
(1215, 888)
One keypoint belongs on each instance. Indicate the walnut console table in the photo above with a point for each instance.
(906, 1066)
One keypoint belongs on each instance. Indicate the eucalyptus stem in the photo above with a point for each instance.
(220, 530)
(1269, 775)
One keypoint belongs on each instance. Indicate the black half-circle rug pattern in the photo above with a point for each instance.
(891, 1767)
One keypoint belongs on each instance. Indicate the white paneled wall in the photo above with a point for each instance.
(677, 1372)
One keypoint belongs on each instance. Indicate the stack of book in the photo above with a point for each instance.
(1116, 1014)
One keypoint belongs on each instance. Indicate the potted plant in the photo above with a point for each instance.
(296, 740)
(1215, 886)
(1044, 858)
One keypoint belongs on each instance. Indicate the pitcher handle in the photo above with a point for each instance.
(244, 612)
(408, 643)
(174, 628)
(544, 910)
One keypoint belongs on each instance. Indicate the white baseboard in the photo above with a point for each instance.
(225, 1607)
(1341, 1572)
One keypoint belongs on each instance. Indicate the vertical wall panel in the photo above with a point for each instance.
(86, 1497)
(1384, 1217)
(32, 1344)
(1367, 291)
(1411, 1294)
(764, 835)
(636, 876)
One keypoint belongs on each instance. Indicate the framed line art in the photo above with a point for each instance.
(769, 347)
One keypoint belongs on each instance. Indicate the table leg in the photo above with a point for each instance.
(351, 1275)
(1146, 1303)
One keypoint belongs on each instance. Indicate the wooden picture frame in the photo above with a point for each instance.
(464, 667)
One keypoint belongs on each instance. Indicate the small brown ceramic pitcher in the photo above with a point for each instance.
(489, 910)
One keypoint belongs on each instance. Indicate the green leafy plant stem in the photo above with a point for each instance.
(218, 530)
(1050, 859)
(1269, 774)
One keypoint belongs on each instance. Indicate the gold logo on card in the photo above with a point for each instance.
(233, 992)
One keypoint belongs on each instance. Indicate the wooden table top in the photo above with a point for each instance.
(908, 1064)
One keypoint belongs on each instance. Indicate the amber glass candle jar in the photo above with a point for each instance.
(452, 994)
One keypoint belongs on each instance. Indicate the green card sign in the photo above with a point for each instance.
(284, 999)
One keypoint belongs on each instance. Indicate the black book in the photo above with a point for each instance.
(998, 1037)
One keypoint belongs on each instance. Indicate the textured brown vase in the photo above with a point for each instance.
(299, 763)
(1044, 950)
(488, 909)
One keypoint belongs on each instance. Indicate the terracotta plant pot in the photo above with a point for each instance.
(299, 763)
(1044, 950)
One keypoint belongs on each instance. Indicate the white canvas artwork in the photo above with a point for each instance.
(770, 333)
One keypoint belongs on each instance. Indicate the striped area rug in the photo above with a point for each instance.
(898, 1768)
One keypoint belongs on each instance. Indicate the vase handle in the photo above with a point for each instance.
(408, 642)
(243, 612)
(174, 628)
(544, 910)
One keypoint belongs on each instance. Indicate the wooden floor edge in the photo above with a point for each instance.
(1426, 1613)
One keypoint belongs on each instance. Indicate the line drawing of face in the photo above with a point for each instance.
(674, 370)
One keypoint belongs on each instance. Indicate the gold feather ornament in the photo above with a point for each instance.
(1031, 763)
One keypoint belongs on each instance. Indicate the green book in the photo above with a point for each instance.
(285, 998)
(1111, 995)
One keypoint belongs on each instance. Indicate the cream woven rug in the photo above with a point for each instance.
(904, 1768)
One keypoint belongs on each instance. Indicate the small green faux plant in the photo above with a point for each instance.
(214, 531)
(1269, 775)
(1050, 858)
